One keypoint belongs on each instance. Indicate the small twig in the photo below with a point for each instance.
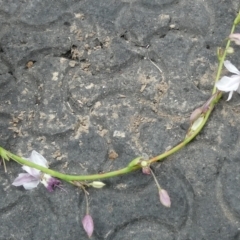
(147, 47)
(4, 165)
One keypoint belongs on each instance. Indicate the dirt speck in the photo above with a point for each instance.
(112, 155)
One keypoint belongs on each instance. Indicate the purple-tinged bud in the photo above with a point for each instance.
(235, 37)
(206, 105)
(164, 198)
(145, 168)
(195, 114)
(88, 225)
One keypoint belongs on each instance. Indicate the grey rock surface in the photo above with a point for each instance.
(77, 84)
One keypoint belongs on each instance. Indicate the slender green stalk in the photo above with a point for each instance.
(136, 163)
(67, 177)
(189, 138)
(4, 165)
(155, 179)
(87, 203)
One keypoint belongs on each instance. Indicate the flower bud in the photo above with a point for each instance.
(235, 37)
(144, 163)
(206, 105)
(197, 123)
(164, 198)
(195, 114)
(230, 50)
(97, 184)
(134, 162)
(237, 19)
(88, 225)
(146, 170)
(145, 167)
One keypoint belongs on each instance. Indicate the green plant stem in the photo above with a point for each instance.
(70, 178)
(87, 203)
(155, 179)
(119, 172)
(189, 138)
(67, 177)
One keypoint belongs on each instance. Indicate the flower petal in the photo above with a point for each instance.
(231, 68)
(22, 178)
(25, 180)
(228, 84)
(31, 185)
(32, 171)
(38, 159)
(230, 95)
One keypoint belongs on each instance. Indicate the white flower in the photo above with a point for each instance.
(33, 177)
(229, 84)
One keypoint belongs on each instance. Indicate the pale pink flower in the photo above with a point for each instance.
(33, 177)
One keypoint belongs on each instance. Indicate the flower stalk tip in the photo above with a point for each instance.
(88, 225)
(146, 170)
(163, 194)
(164, 198)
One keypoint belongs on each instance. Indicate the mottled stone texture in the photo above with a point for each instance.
(78, 85)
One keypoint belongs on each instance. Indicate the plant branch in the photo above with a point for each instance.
(136, 163)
